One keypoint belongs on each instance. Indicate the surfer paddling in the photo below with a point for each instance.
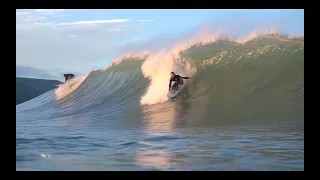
(68, 77)
(178, 81)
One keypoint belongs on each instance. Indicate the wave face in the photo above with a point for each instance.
(257, 81)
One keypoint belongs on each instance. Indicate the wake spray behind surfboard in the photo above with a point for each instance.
(71, 85)
(158, 66)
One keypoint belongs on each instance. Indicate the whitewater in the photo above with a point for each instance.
(243, 110)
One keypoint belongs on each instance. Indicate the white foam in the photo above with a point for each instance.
(71, 85)
(158, 66)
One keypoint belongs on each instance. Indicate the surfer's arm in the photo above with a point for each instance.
(170, 84)
(186, 77)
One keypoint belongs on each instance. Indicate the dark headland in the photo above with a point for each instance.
(29, 88)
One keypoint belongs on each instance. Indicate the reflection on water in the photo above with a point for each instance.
(159, 122)
(160, 118)
(157, 159)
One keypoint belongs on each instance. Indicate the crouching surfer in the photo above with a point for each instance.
(68, 77)
(178, 81)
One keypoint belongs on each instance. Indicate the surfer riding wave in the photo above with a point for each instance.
(68, 77)
(178, 81)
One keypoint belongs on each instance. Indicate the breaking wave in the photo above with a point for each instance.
(256, 78)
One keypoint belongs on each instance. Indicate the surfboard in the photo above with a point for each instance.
(173, 94)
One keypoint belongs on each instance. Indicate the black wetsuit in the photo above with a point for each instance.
(68, 76)
(178, 81)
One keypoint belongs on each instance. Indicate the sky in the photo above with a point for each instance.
(61, 41)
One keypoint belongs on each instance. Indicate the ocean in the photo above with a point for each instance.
(243, 110)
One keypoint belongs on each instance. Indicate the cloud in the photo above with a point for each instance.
(45, 40)
(23, 71)
(22, 13)
(146, 20)
(96, 22)
(49, 10)
(39, 15)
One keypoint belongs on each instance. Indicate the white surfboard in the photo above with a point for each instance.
(173, 94)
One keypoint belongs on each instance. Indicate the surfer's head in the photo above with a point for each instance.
(172, 74)
(64, 75)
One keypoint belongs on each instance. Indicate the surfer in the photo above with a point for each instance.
(178, 81)
(68, 77)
